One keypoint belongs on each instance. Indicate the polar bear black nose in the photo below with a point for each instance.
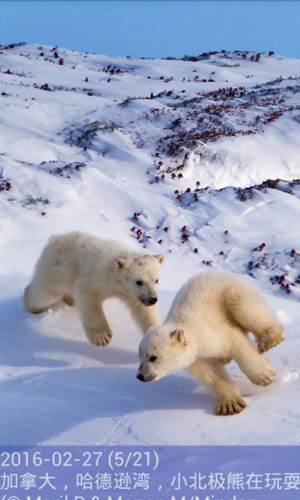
(140, 377)
(152, 300)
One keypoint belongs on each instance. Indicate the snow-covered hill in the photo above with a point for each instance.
(198, 159)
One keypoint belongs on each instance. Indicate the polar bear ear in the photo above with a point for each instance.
(160, 258)
(178, 337)
(120, 263)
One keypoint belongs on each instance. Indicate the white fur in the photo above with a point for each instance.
(207, 327)
(85, 269)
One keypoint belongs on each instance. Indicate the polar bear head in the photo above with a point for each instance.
(139, 276)
(163, 350)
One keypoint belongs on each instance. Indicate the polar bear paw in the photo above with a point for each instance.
(68, 299)
(265, 376)
(266, 342)
(99, 337)
(230, 406)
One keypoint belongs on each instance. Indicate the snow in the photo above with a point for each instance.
(56, 388)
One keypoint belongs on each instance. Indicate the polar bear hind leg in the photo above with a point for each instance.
(38, 299)
(246, 307)
(258, 369)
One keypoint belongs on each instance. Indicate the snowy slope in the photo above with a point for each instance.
(194, 149)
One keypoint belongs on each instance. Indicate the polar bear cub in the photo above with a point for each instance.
(87, 270)
(207, 327)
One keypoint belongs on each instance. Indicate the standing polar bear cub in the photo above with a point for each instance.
(206, 328)
(86, 270)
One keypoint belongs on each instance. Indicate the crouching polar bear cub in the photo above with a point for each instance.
(206, 328)
(86, 270)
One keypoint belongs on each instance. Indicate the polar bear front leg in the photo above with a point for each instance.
(144, 316)
(215, 378)
(92, 316)
(258, 369)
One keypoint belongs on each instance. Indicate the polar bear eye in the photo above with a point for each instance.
(152, 359)
(139, 283)
(156, 281)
